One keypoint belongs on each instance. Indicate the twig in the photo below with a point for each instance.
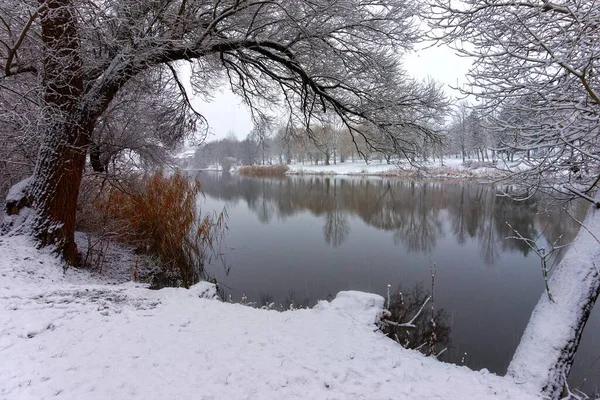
(18, 163)
(433, 337)
(410, 324)
(584, 196)
(541, 253)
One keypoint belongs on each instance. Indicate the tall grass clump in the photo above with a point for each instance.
(158, 214)
(263, 170)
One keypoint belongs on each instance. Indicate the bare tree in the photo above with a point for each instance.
(85, 52)
(537, 74)
(249, 151)
(146, 121)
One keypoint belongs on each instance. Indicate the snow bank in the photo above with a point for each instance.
(346, 168)
(16, 208)
(18, 191)
(72, 336)
(364, 308)
(451, 168)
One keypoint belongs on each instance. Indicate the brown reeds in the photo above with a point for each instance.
(160, 217)
(263, 170)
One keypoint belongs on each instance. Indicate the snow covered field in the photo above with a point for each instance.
(74, 335)
(452, 167)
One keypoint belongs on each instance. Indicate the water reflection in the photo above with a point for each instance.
(417, 213)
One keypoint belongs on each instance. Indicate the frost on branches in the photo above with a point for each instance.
(83, 53)
(536, 74)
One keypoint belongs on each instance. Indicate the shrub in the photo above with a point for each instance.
(158, 214)
(264, 170)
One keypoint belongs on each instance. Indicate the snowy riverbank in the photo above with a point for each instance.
(74, 335)
(450, 168)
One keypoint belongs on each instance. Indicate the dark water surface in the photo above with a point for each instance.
(306, 238)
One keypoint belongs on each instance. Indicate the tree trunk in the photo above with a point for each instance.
(55, 188)
(545, 354)
(59, 168)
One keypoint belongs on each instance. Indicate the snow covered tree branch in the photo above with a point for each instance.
(313, 56)
(536, 74)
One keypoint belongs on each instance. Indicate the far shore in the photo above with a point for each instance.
(450, 169)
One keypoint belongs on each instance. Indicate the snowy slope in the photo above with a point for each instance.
(73, 336)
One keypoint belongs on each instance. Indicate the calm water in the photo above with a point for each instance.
(303, 239)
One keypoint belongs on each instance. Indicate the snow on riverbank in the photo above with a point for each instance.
(451, 168)
(73, 336)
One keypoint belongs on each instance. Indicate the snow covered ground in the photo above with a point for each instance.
(75, 335)
(452, 167)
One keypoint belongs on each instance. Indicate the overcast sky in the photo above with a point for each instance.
(226, 113)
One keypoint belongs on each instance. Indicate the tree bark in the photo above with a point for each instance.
(55, 188)
(545, 354)
(66, 137)
(60, 163)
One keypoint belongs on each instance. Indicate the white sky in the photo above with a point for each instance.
(226, 112)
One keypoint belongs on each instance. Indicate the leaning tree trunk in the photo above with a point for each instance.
(544, 357)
